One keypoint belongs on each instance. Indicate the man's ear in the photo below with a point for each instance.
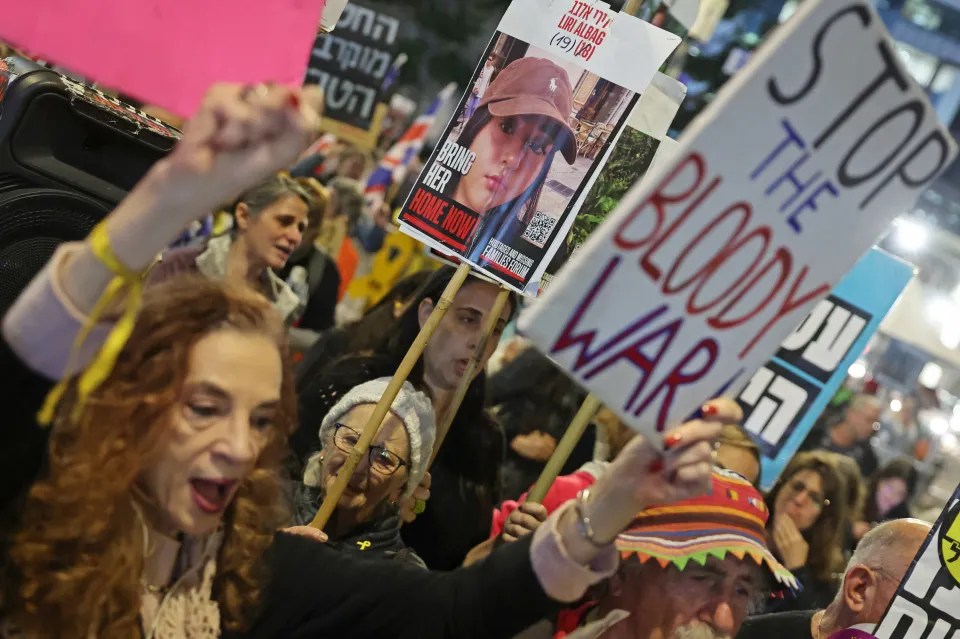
(424, 310)
(241, 215)
(859, 588)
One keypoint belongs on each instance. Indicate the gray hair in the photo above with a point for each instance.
(882, 543)
(269, 191)
(412, 407)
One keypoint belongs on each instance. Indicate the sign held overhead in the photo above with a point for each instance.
(776, 190)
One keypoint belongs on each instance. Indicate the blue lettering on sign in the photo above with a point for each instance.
(786, 176)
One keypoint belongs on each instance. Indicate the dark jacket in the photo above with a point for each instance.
(531, 394)
(815, 594)
(315, 590)
(323, 282)
(377, 539)
(785, 625)
(464, 488)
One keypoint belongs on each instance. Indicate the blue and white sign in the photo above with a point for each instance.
(786, 396)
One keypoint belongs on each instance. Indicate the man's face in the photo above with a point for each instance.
(864, 419)
(699, 602)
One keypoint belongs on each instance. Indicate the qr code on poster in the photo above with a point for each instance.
(539, 229)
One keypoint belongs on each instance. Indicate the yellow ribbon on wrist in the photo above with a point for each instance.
(103, 362)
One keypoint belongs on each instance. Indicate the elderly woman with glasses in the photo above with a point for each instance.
(807, 526)
(367, 520)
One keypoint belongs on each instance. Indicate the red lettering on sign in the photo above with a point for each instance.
(427, 206)
(744, 264)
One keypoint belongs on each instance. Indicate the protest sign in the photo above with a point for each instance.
(776, 190)
(641, 145)
(548, 96)
(786, 396)
(351, 63)
(927, 603)
(168, 53)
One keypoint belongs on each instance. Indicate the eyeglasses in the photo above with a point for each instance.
(381, 460)
(818, 500)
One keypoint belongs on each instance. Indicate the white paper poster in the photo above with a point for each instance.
(776, 190)
(547, 99)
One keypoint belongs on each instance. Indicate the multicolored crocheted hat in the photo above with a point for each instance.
(730, 520)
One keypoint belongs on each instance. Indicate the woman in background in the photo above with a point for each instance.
(887, 495)
(367, 518)
(269, 223)
(316, 279)
(808, 517)
(465, 480)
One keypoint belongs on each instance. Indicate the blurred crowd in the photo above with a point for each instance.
(190, 440)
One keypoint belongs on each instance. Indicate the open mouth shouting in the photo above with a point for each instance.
(212, 495)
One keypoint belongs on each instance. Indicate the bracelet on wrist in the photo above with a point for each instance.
(584, 527)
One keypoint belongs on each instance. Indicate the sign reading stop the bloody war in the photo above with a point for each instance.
(351, 63)
(547, 98)
(775, 191)
(786, 395)
(927, 604)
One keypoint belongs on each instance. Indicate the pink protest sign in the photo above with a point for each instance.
(168, 53)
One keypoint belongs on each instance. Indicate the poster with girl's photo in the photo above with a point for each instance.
(642, 146)
(529, 133)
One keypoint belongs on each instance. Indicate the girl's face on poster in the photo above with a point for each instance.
(510, 153)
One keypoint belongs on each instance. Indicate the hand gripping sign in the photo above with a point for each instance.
(775, 191)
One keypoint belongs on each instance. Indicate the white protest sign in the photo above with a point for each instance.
(775, 191)
(549, 96)
(927, 604)
(640, 147)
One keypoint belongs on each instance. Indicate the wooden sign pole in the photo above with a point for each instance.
(588, 409)
(488, 328)
(386, 401)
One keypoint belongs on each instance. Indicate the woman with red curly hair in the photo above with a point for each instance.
(155, 495)
(149, 508)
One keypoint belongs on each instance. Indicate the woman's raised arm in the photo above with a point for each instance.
(239, 136)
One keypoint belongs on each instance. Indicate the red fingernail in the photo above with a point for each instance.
(709, 410)
(672, 440)
(656, 465)
(294, 100)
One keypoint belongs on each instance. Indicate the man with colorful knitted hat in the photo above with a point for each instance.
(689, 570)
